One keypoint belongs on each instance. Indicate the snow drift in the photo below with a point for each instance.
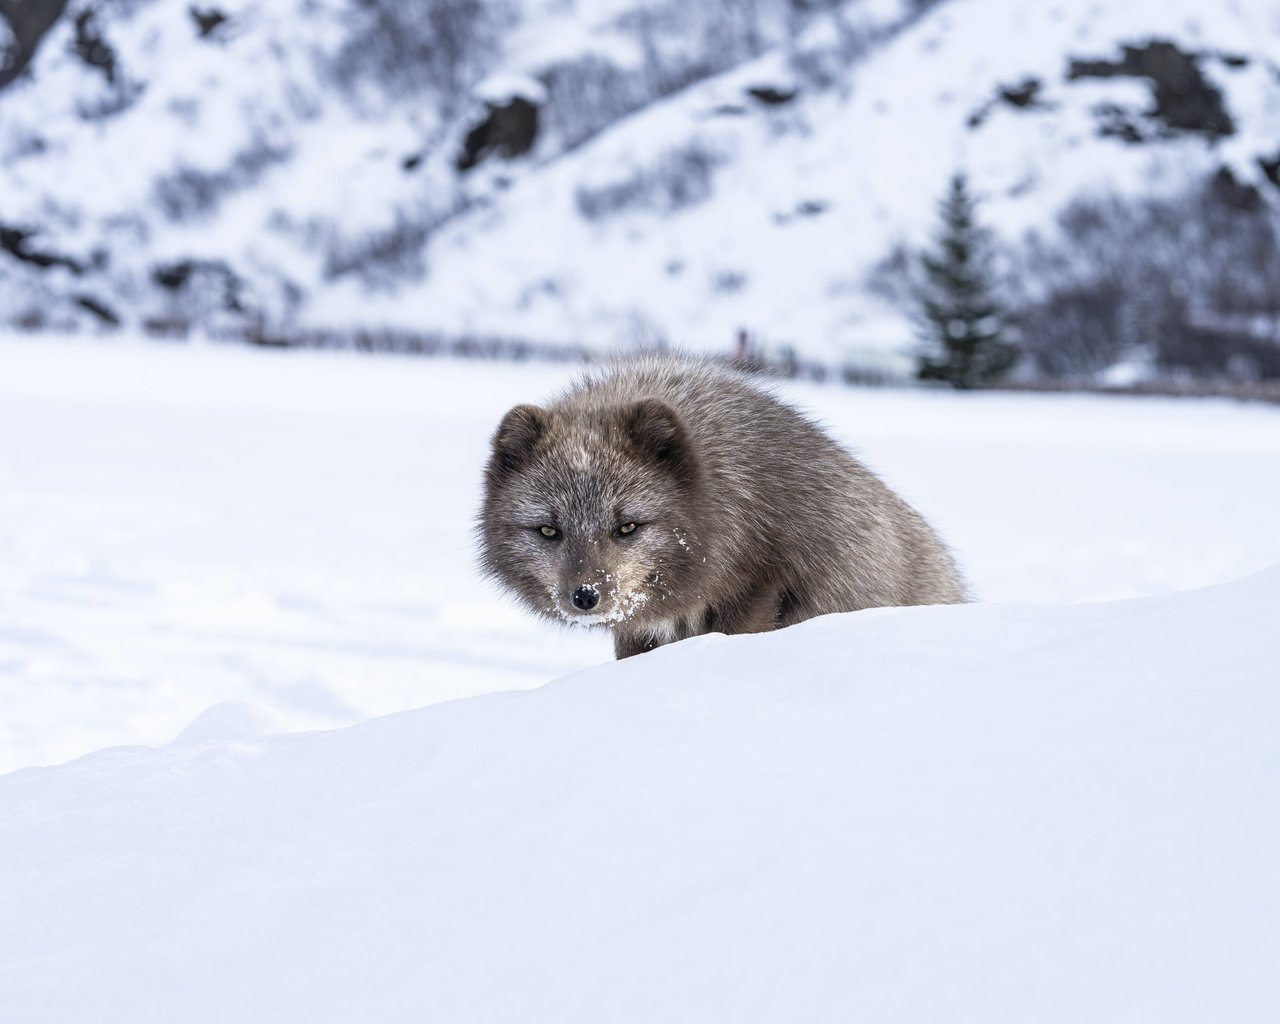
(971, 813)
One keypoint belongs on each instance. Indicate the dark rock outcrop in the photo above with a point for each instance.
(1271, 168)
(100, 310)
(207, 20)
(1184, 100)
(14, 241)
(91, 45)
(771, 96)
(509, 130)
(29, 21)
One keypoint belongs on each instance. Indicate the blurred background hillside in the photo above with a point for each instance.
(529, 177)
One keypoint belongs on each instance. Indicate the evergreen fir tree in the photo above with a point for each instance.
(964, 327)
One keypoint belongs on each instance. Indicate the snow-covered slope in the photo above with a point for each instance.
(290, 532)
(802, 201)
(205, 177)
(695, 169)
(981, 813)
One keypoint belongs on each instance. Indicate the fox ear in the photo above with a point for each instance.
(517, 436)
(656, 433)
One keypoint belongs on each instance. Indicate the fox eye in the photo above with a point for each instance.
(626, 528)
(548, 531)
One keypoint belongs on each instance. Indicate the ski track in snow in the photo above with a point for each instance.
(193, 526)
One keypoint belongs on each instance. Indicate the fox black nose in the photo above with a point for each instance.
(586, 597)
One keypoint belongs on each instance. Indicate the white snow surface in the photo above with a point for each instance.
(974, 813)
(287, 534)
(1031, 809)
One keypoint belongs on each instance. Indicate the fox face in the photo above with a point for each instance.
(589, 514)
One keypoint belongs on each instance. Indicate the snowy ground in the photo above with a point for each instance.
(290, 531)
(971, 814)
(1010, 811)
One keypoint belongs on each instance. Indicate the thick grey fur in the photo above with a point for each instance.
(750, 517)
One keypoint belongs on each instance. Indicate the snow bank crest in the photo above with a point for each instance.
(961, 807)
(231, 721)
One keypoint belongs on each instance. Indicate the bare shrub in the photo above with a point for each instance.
(424, 46)
(24, 28)
(190, 192)
(679, 42)
(588, 92)
(380, 258)
(681, 177)
(1183, 285)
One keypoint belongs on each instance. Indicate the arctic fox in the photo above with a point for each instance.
(666, 497)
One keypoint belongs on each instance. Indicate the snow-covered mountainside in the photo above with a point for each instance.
(612, 172)
(979, 813)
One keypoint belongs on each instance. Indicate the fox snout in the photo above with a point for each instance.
(585, 597)
(590, 599)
